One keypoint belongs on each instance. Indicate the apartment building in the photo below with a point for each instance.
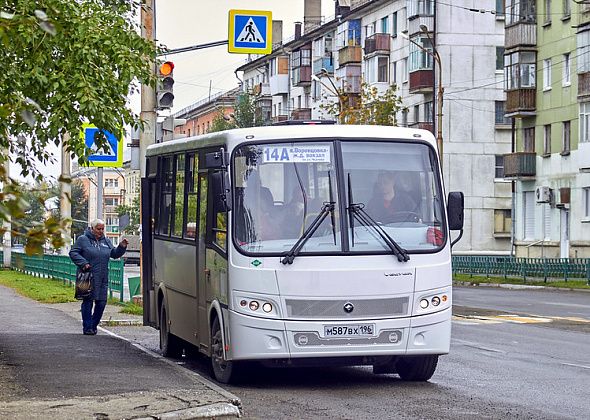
(385, 42)
(547, 82)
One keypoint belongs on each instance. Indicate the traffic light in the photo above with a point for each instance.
(168, 126)
(164, 92)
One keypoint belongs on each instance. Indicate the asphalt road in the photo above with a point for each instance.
(501, 366)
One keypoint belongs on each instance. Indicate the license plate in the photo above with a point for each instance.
(357, 330)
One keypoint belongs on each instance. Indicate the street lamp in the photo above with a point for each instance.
(440, 90)
(332, 89)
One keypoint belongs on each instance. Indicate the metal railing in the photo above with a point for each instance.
(61, 267)
(505, 266)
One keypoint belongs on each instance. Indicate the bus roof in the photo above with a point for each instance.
(231, 138)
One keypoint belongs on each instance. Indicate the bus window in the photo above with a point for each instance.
(191, 197)
(179, 197)
(166, 189)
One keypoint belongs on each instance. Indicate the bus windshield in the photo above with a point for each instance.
(280, 189)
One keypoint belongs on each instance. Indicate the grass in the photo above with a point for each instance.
(52, 291)
(40, 289)
(570, 284)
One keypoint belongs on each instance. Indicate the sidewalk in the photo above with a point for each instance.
(48, 369)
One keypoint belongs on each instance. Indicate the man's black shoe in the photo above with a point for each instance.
(89, 332)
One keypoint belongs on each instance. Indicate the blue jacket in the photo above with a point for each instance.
(97, 253)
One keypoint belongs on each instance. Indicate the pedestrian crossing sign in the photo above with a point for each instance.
(250, 32)
(112, 157)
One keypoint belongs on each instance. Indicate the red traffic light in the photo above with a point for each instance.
(166, 68)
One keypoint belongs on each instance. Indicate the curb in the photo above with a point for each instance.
(217, 410)
(518, 286)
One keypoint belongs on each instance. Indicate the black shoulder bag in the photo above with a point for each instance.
(83, 284)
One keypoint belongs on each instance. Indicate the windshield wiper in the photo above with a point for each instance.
(357, 211)
(327, 208)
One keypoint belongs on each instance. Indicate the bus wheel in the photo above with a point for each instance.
(169, 343)
(224, 371)
(416, 368)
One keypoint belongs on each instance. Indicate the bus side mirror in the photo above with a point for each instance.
(220, 191)
(455, 210)
(216, 160)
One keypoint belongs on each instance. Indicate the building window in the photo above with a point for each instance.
(420, 59)
(394, 24)
(421, 8)
(586, 201)
(529, 215)
(529, 139)
(111, 183)
(416, 113)
(385, 25)
(500, 6)
(502, 222)
(584, 122)
(547, 11)
(547, 140)
(428, 114)
(500, 112)
(518, 11)
(566, 138)
(383, 69)
(519, 70)
(546, 221)
(405, 117)
(567, 8)
(566, 78)
(499, 171)
(499, 58)
(547, 74)
(583, 52)
(394, 69)
(405, 71)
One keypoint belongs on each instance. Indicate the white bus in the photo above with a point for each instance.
(286, 245)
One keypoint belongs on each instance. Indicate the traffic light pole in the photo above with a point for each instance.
(148, 115)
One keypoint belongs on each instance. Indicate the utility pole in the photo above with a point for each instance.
(65, 196)
(7, 240)
(99, 193)
(148, 95)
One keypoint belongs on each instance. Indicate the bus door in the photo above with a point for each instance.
(212, 257)
(148, 207)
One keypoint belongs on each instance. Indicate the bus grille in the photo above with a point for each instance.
(363, 308)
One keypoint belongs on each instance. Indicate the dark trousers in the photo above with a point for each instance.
(91, 320)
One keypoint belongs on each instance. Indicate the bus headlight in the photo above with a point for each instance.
(256, 305)
(434, 302)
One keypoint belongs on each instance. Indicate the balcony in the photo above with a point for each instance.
(415, 21)
(520, 165)
(521, 102)
(323, 63)
(584, 85)
(301, 114)
(377, 43)
(350, 54)
(422, 81)
(302, 76)
(351, 84)
(423, 125)
(520, 34)
(279, 84)
(279, 118)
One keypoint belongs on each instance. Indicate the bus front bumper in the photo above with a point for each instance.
(259, 338)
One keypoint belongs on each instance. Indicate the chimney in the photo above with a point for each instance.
(312, 15)
(277, 33)
(297, 30)
(342, 7)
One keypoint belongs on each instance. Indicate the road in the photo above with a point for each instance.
(501, 366)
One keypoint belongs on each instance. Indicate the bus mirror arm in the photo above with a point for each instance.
(458, 238)
(216, 160)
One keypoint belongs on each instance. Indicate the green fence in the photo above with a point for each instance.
(61, 267)
(505, 266)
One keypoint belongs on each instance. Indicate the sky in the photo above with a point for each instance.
(183, 23)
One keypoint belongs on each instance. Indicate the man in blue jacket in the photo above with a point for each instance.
(92, 251)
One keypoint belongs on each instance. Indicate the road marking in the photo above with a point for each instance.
(575, 365)
(499, 319)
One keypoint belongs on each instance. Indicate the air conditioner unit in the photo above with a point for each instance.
(543, 194)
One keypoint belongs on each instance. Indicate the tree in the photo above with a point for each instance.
(64, 63)
(221, 123)
(79, 208)
(369, 107)
(133, 212)
(245, 111)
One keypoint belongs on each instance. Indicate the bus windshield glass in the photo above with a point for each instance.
(282, 189)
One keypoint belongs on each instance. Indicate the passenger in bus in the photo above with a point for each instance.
(259, 205)
(293, 214)
(390, 204)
